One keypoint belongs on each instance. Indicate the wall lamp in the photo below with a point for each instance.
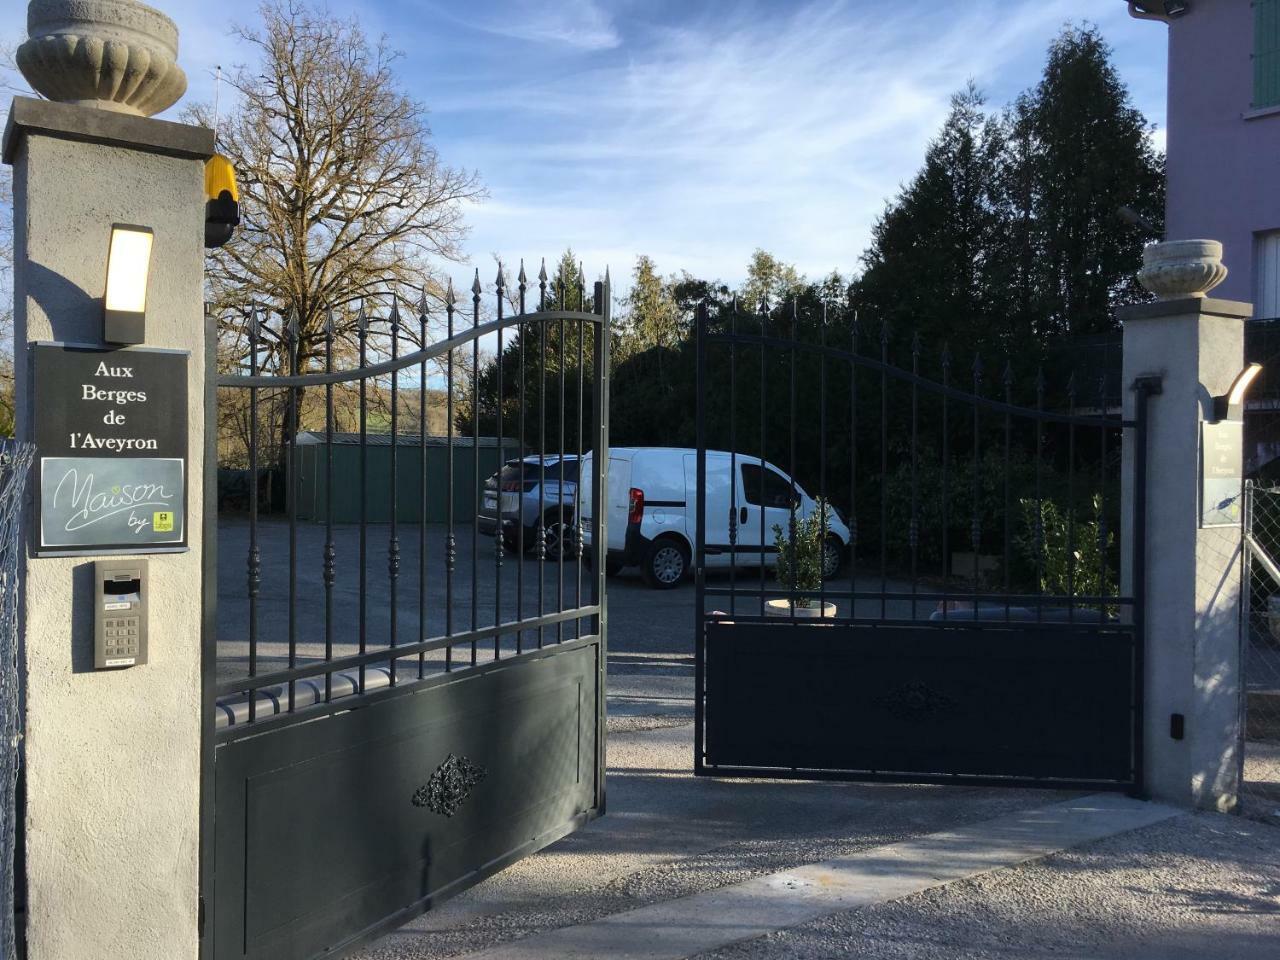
(128, 266)
(1230, 406)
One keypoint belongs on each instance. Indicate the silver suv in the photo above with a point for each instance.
(518, 494)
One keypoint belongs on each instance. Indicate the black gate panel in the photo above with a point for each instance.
(913, 579)
(330, 831)
(920, 703)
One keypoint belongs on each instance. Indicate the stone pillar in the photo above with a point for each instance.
(112, 757)
(1195, 346)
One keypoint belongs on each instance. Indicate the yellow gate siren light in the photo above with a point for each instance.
(222, 201)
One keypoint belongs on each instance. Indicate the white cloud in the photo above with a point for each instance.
(580, 24)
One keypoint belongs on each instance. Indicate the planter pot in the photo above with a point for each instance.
(782, 608)
(116, 55)
(1182, 268)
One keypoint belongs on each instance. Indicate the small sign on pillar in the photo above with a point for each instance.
(111, 438)
(1222, 473)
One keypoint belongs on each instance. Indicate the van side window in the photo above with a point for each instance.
(777, 489)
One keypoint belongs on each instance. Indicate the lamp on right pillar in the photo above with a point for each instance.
(1230, 406)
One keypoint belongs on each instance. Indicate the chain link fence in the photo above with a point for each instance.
(1261, 655)
(15, 459)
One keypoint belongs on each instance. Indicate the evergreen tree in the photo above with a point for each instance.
(653, 318)
(1087, 152)
(930, 266)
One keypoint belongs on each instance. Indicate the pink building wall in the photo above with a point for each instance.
(1223, 156)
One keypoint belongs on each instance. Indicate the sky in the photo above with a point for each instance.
(693, 131)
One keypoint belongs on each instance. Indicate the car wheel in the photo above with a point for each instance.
(560, 536)
(832, 557)
(665, 563)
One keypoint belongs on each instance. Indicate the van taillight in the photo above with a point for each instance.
(635, 513)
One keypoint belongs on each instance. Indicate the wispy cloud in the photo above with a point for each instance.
(579, 24)
(784, 128)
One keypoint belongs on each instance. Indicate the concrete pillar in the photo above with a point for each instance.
(112, 757)
(1196, 347)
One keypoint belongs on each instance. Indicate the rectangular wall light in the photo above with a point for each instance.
(128, 267)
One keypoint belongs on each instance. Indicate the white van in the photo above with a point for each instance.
(652, 511)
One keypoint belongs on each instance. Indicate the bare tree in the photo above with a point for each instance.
(343, 196)
(345, 202)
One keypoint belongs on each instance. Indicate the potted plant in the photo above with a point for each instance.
(799, 567)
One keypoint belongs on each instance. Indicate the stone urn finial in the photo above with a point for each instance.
(1182, 268)
(116, 55)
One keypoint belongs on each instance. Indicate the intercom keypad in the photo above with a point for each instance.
(120, 617)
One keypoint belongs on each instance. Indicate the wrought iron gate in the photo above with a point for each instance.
(375, 744)
(985, 631)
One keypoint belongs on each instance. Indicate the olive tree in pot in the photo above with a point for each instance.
(799, 567)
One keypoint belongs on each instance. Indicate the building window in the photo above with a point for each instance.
(1266, 275)
(1266, 53)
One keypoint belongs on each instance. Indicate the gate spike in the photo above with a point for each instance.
(523, 279)
(1007, 377)
(476, 288)
(1040, 385)
(884, 334)
(500, 282)
(542, 272)
(764, 304)
(977, 367)
(395, 313)
(328, 323)
(450, 297)
(422, 304)
(946, 357)
(1071, 389)
(917, 345)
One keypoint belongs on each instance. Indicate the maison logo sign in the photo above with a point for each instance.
(111, 433)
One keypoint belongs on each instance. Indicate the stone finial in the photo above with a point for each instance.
(117, 55)
(1182, 268)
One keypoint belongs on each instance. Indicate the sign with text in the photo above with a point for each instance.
(1222, 478)
(111, 438)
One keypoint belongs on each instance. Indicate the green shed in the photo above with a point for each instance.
(311, 457)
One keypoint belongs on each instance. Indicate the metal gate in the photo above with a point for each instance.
(396, 710)
(983, 630)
